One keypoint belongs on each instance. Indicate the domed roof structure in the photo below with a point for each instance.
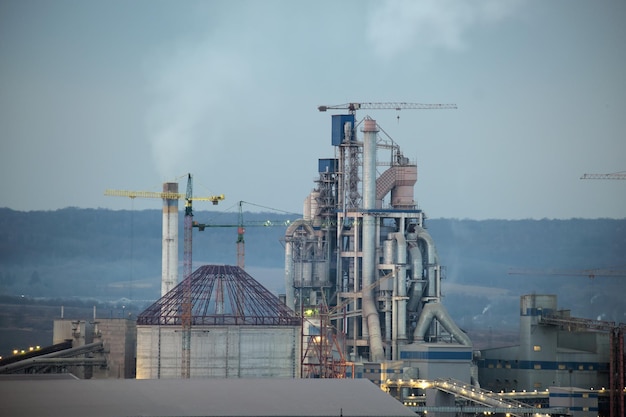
(219, 295)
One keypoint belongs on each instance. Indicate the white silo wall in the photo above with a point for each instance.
(220, 352)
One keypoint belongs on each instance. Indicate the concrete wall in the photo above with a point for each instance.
(119, 339)
(579, 402)
(219, 352)
(439, 360)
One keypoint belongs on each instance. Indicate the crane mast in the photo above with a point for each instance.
(186, 308)
(187, 267)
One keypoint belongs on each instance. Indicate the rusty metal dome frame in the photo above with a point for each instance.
(219, 295)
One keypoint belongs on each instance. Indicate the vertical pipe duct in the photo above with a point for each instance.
(169, 259)
(289, 290)
(401, 285)
(432, 261)
(417, 268)
(369, 240)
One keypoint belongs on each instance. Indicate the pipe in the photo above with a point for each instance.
(169, 259)
(401, 285)
(289, 271)
(370, 312)
(79, 350)
(417, 266)
(437, 311)
(289, 290)
(432, 261)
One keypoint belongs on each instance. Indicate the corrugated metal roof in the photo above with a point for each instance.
(219, 295)
(199, 397)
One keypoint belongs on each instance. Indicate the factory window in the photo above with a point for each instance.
(585, 395)
(537, 366)
(561, 366)
(537, 384)
(581, 367)
(537, 348)
(591, 367)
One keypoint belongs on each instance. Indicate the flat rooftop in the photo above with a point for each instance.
(197, 397)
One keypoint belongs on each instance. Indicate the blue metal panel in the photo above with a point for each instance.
(328, 165)
(339, 120)
(437, 355)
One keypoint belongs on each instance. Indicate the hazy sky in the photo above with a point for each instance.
(129, 94)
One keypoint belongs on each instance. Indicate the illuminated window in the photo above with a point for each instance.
(537, 366)
(561, 366)
(537, 348)
(581, 367)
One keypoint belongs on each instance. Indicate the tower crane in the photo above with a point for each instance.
(591, 273)
(241, 230)
(614, 176)
(189, 198)
(353, 107)
(186, 307)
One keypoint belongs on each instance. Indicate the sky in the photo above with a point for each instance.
(98, 95)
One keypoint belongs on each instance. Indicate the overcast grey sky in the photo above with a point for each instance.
(129, 94)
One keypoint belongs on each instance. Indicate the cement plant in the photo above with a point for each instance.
(363, 301)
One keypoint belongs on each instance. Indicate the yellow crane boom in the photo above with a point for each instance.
(165, 195)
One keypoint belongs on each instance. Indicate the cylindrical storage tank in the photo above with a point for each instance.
(389, 256)
(321, 271)
(314, 208)
(307, 273)
(306, 209)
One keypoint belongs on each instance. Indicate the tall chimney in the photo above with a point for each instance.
(370, 312)
(169, 268)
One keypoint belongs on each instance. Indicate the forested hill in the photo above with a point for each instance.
(106, 254)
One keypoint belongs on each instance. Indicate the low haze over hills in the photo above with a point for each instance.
(105, 255)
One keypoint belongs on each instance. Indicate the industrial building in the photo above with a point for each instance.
(585, 358)
(362, 301)
(363, 270)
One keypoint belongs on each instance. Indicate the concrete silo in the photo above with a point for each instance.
(238, 329)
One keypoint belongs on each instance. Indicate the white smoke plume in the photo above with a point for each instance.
(189, 83)
(396, 26)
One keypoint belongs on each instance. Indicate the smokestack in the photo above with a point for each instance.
(369, 240)
(169, 267)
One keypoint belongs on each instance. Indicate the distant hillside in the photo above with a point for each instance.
(109, 255)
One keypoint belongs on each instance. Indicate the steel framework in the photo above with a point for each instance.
(219, 295)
